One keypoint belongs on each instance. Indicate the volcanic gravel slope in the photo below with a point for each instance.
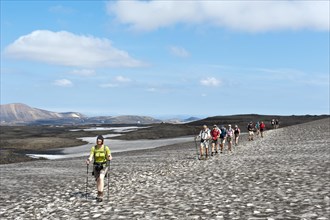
(285, 175)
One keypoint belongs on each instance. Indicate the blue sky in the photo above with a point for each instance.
(166, 58)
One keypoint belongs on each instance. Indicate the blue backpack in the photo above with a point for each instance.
(223, 132)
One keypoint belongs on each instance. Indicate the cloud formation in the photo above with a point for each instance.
(122, 79)
(63, 83)
(251, 16)
(67, 49)
(179, 51)
(210, 81)
(83, 72)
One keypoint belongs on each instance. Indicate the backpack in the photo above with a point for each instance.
(105, 147)
(223, 132)
(204, 134)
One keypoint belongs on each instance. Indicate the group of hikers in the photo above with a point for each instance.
(219, 136)
(100, 154)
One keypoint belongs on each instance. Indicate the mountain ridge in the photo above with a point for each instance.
(22, 114)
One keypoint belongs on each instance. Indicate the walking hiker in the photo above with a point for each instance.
(205, 136)
(237, 132)
(273, 123)
(250, 128)
(215, 133)
(257, 127)
(262, 128)
(223, 135)
(230, 134)
(277, 123)
(101, 154)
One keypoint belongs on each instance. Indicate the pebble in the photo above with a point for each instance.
(277, 177)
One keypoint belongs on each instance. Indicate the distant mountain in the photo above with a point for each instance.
(123, 119)
(17, 113)
(191, 119)
(180, 121)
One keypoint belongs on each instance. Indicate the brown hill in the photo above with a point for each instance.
(17, 113)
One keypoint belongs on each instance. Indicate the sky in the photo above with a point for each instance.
(166, 58)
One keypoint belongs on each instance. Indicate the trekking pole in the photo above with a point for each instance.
(87, 182)
(109, 179)
(195, 139)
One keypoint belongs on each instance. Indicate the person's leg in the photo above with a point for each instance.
(100, 183)
(206, 150)
(201, 150)
(213, 147)
(221, 145)
(216, 146)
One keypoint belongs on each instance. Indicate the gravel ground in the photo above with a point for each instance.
(285, 175)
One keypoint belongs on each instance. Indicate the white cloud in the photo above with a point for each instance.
(60, 9)
(151, 89)
(251, 16)
(109, 85)
(179, 51)
(67, 49)
(63, 83)
(83, 72)
(210, 81)
(122, 79)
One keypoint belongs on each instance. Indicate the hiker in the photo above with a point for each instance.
(101, 154)
(237, 132)
(215, 133)
(277, 124)
(205, 136)
(230, 134)
(262, 128)
(273, 123)
(250, 128)
(257, 128)
(223, 135)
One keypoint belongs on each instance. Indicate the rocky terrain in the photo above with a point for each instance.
(285, 175)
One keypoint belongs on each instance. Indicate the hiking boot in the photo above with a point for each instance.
(99, 197)
(216, 152)
(212, 154)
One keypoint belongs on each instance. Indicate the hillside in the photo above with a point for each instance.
(18, 113)
(21, 114)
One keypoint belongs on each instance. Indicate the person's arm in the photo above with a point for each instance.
(109, 153)
(91, 155)
(209, 134)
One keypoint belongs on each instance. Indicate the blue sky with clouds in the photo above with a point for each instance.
(166, 58)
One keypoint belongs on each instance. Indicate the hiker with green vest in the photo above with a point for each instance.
(101, 154)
